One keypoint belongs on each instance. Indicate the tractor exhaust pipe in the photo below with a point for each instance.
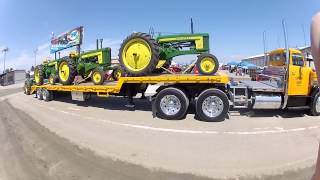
(101, 40)
(97, 43)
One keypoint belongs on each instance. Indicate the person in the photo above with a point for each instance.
(315, 48)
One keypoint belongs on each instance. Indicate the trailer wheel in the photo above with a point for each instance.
(315, 104)
(171, 103)
(212, 105)
(39, 94)
(46, 95)
(207, 64)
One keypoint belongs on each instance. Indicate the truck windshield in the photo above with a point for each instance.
(277, 59)
(297, 59)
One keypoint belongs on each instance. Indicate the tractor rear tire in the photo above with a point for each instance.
(27, 87)
(139, 54)
(97, 77)
(207, 64)
(38, 75)
(67, 71)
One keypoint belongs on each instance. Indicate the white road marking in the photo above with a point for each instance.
(74, 109)
(277, 130)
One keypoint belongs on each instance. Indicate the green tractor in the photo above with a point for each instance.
(47, 70)
(91, 64)
(140, 54)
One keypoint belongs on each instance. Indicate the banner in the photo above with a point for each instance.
(66, 40)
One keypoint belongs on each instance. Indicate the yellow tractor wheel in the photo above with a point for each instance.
(117, 73)
(38, 75)
(97, 77)
(139, 54)
(207, 64)
(52, 79)
(67, 71)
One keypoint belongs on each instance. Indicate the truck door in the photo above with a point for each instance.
(299, 75)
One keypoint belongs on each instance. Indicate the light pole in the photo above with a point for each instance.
(264, 47)
(5, 50)
(35, 56)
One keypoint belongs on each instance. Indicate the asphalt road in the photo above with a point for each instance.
(100, 139)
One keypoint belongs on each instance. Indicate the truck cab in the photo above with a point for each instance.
(301, 78)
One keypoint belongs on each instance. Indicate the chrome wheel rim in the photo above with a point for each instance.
(212, 106)
(318, 105)
(170, 105)
(38, 94)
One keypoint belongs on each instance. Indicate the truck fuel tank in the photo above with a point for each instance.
(263, 101)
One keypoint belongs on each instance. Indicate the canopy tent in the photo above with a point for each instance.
(247, 65)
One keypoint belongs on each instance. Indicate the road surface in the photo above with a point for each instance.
(99, 139)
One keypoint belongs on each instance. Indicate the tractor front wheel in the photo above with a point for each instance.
(67, 71)
(97, 77)
(207, 64)
(117, 72)
(139, 54)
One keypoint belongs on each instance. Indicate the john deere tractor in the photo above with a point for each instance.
(47, 70)
(91, 64)
(140, 54)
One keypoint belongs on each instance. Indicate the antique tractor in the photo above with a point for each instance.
(91, 64)
(47, 70)
(140, 54)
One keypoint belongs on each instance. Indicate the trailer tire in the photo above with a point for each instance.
(212, 98)
(315, 104)
(39, 94)
(46, 95)
(207, 64)
(174, 97)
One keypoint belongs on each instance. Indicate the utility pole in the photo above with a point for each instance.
(35, 56)
(264, 47)
(5, 51)
(304, 35)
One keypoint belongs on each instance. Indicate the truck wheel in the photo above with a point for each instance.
(207, 64)
(46, 95)
(139, 54)
(67, 71)
(171, 103)
(212, 105)
(97, 77)
(53, 79)
(39, 94)
(315, 104)
(38, 75)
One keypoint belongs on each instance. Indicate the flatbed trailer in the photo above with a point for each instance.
(172, 95)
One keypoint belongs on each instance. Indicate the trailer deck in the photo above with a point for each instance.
(115, 86)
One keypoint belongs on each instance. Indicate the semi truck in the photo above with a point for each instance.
(213, 95)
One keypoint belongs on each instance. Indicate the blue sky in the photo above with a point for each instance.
(235, 26)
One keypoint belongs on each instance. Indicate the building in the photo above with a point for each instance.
(12, 77)
(260, 60)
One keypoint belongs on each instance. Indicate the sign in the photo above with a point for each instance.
(66, 40)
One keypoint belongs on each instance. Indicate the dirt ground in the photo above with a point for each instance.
(31, 151)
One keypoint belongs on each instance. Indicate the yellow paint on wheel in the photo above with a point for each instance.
(136, 54)
(37, 75)
(97, 77)
(51, 80)
(207, 65)
(64, 71)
